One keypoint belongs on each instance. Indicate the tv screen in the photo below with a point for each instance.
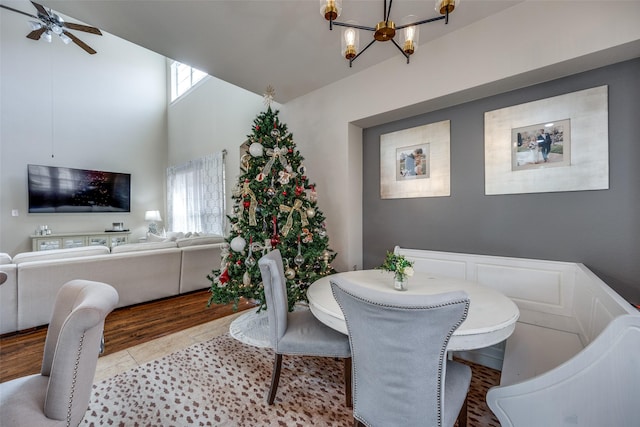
(59, 189)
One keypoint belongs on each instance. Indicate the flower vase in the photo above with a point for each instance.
(400, 282)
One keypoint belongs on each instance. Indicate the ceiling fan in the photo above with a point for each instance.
(48, 23)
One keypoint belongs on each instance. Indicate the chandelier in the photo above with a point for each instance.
(384, 31)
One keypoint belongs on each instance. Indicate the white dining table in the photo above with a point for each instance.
(491, 318)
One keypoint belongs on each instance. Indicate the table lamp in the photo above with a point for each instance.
(152, 216)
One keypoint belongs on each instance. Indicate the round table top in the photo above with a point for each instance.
(491, 318)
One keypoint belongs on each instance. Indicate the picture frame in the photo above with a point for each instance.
(554, 144)
(416, 162)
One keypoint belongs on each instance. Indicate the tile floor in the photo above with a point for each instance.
(121, 361)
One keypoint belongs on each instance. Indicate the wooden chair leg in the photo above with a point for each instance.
(275, 379)
(462, 416)
(347, 382)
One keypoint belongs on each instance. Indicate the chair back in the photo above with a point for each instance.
(275, 294)
(72, 346)
(399, 348)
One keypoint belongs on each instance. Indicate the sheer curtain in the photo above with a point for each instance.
(195, 195)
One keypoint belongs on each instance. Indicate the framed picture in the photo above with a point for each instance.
(416, 162)
(554, 144)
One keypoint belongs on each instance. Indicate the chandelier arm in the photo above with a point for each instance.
(359, 27)
(400, 49)
(424, 21)
(362, 51)
(387, 12)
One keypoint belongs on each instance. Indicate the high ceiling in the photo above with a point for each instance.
(253, 44)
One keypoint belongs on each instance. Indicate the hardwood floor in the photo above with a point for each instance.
(21, 353)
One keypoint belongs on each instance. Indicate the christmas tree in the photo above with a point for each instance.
(274, 207)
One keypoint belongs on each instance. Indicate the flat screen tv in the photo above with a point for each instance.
(58, 189)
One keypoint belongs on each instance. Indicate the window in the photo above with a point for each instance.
(195, 195)
(183, 78)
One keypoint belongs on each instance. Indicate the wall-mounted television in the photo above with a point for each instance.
(54, 189)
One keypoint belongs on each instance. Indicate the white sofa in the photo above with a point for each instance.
(140, 272)
(563, 307)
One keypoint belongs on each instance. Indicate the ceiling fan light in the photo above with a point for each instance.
(46, 36)
(35, 25)
(330, 9)
(350, 41)
(57, 29)
(446, 6)
(65, 39)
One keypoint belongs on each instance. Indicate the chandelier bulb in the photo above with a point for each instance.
(446, 6)
(330, 9)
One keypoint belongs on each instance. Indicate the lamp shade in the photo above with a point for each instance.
(152, 216)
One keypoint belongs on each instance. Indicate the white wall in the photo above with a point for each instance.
(105, 111)
(213, 116)
(494, 55)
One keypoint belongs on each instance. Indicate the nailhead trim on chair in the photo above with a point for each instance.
(443, 351)
(73, 382)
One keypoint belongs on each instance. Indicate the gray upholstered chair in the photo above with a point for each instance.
(401, 375)
(297, 332)
(59, 394)
(599, 386)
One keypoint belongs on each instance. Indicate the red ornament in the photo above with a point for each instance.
(290, 150)
(284, 193)
(246, 204)
(275, 240)
(224, 277)
(257, 127)
(238, 262)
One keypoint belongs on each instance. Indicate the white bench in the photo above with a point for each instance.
(563, 307)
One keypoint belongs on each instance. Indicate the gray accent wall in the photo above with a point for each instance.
(600, 228)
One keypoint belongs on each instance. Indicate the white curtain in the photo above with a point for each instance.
(195, 195)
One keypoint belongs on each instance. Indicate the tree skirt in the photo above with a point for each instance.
(251, 328)
(223, 382)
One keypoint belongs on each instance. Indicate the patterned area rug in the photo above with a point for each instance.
(223, 382)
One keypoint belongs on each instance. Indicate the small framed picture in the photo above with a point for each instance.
(416, 162)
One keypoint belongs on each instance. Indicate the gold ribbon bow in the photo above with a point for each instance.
(297, 205)
(246, 191)
(274, 153)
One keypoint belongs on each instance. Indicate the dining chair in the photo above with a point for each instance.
(297, 332)
(59, 394)
(599, 386)
(401, 375)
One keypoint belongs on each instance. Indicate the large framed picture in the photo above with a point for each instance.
(416, 162)
(554, 144)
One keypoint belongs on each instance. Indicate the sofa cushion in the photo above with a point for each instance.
(60, 254)
(5, 258)
(131, 247)
(199, 240)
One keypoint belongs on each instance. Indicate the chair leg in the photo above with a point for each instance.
(347, 382)
(462, 416)
(275, 379)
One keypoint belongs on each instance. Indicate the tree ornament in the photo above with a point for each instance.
(250, 261)
(246, 278)
(260, 177)
(299, 189)
(275, 239)
(246, 203)
(313, 196)
(256, 149)
(289, 272)
(238, 244)
(311, 212)
(271, 191)
(275, 132)
(299, 259)
(302, 171)
(224, 277)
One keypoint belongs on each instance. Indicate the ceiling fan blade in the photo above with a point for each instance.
(36, 34)
(19, 11)
(80, 27)
(40, 8)
(79, 42)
